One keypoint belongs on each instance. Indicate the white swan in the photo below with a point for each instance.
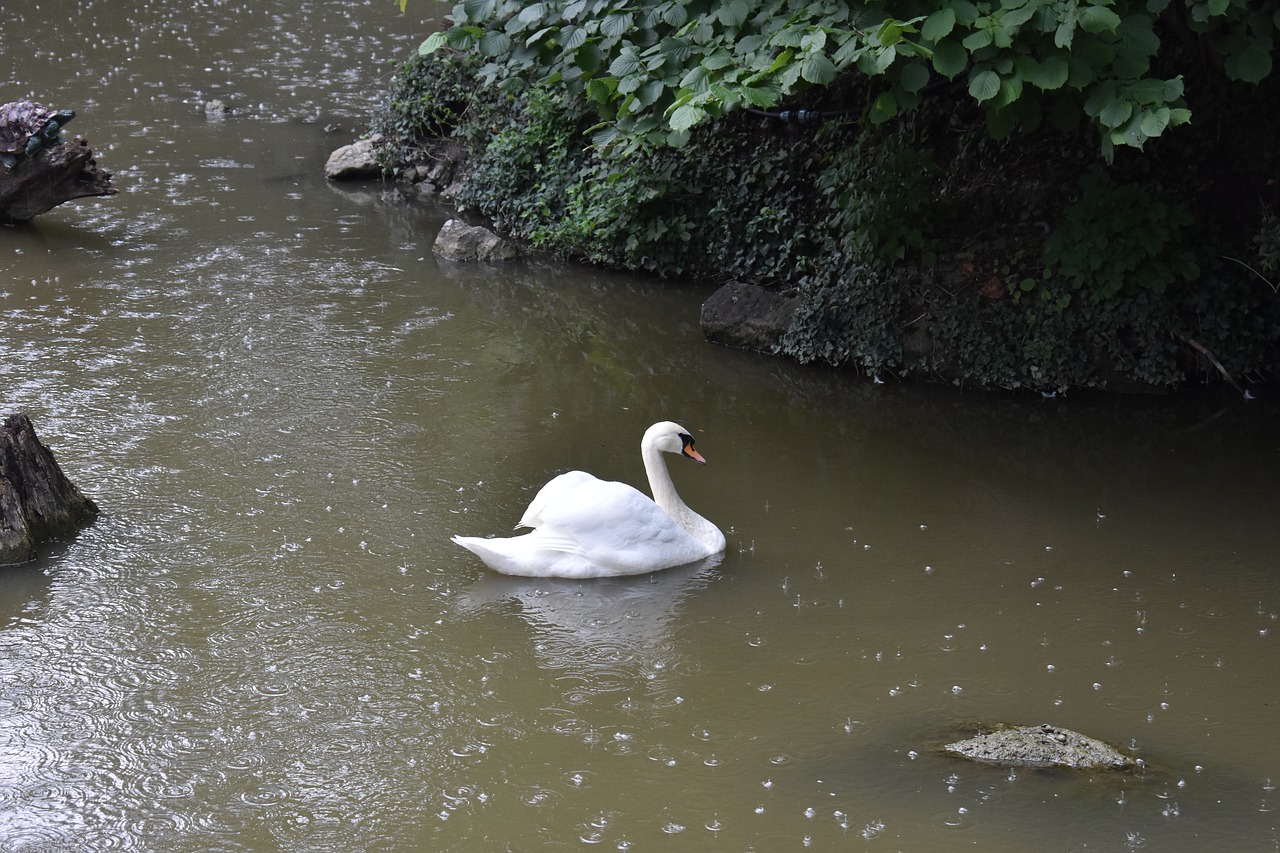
(585, 527)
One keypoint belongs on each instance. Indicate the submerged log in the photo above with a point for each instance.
(37, 501)
(53, 175)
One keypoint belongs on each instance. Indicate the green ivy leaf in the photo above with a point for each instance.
(884, 59)
(814, 40)
(939, 25)
(1149, 92)
(914, 77)
(977, 40)
(697, 80)
(617, 24)
(572, 38)
(531, 14)
(675, 50)
(600, 90)
(1010, 90)
(675, 15)
(588, 57)
(966, 12)
(817, 69)
(949, 58)
(758, 96)
(984, 85)
(1066, 31)
(1154, 123)
(1116, 112)
(434, 42)
(494, 43)
(884, 108)
(477, 10)
(1098, 19)
(650, 92)
(1048, 75)
(1014, 18)
(1000, 122)
(604, 135)
(628, 85)
(1252, 64)
(628, 62)
(890, 32)
(686, 116)
(734, 13)
(716, 61)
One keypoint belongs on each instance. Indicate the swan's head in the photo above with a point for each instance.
(671, 438)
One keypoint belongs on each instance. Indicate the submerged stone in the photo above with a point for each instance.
(353, 162)
(459, 241)
(1042, 746)
(747, 316)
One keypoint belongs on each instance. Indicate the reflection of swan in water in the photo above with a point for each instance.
(596, 623)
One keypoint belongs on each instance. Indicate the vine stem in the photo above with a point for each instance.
(1204, 351)
(1274, 287)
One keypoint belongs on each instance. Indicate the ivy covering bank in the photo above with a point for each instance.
(1023, 194)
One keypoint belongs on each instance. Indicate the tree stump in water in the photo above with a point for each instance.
(50, 177)
(37, 501)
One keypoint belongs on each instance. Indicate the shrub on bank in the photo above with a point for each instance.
(917, 246)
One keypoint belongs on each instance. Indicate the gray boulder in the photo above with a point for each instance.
(1042, 746)
(458, 241)
(746, 316)
(353, 162)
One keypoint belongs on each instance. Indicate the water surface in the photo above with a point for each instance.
(285, 405)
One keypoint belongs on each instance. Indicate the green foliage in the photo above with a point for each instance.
(1120, 239)
(881, 186)
(888, 234)
(850, 316)
(427, 97)
(526, 169)
(1268, 242)
(655, 69)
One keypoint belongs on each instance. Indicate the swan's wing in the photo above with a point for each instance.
(558, 490)
(614, 524)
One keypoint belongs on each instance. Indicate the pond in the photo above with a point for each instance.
(285, 405)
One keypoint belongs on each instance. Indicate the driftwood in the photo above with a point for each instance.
(51, 176)
(37, 501)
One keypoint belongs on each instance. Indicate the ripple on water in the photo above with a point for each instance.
(37, 835)
(538, 797)
(265, 795)
(161, 826)
(960, 819)
(163, 785)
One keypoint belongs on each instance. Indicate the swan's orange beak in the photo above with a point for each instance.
(694, 455)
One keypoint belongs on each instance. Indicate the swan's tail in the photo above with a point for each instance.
(531, 555)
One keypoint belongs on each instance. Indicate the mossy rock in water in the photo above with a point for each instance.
(1041, 746)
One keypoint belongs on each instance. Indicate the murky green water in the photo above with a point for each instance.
(285, 405)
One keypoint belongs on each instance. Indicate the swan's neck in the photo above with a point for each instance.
(664, 491)
(665, 496)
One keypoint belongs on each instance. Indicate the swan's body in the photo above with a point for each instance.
(584, 527)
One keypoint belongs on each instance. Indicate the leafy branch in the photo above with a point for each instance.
(655, 69)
